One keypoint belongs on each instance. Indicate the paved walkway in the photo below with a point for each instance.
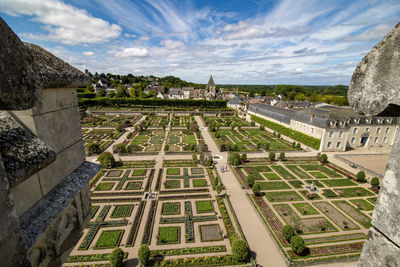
(261, 244)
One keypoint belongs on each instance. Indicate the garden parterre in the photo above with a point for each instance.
(340, 204)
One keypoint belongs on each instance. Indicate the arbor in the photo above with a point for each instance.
(375, 182)
(297, 244)
(361, 177)
(256, 189)
(240, 249)
(288, 231)
(106, 160)
(282, 156)
(272, 156)
(144, 255)
(116, 258)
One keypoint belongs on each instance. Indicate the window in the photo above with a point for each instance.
(378, 131)
(353, 140)
(367, 129)
(331, 134)
(312, 130)
(338, 144)
(340, 134)
(385, 139)
(329, 144)
(297, 124)
(387, 130)
(376, 140)
(304, 127)
(355, 130)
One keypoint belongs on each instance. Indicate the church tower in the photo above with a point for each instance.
(211, 86)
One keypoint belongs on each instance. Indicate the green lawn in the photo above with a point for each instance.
(171, 208)
(199, 182)
(328, 193)
(109, 239)
(172, 184)
(338, 182)
(283, 172)
(169, 235)
(273, 185)
(354, 192)
(271, 176)
(282, 196)
(296, 184)
(318, 175)
(139, 172)
(362, 204)
(173, 171)
(134, 186)
(204, 206)
(104, 186)
(305, 209)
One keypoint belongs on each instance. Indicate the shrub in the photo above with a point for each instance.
(271, 155)
(166, 148)
(256, 189)
(282, 156)
(106, 160)
(297, 244)
(244, 157)
(129, 135)
(252, 123)
(194, 157)
(267, 145)
(240, 249)
(293, 144)
(288, 231)
(298, 145)
(323, 158)
(116, 258)
(120, 127)
(361, 177)
(262, 128)
(92, 148)
(375, 182)
(250, 180)
(279, 135)
(234, 159)
(144, 255)
(119, 148)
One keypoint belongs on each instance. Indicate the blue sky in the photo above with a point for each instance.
(247, 42)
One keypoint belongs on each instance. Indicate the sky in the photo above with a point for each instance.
(239, 42)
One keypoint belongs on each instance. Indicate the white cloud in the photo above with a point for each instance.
(65, 23)
(132, 52)
(88, 53)
(129, 35)
(371, 34)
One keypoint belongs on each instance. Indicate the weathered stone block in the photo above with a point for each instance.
(67, 161)
(378, 251)
(26, 194)
(386, 214)
(54, 99)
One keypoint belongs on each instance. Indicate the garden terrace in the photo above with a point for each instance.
(181, 121)
(146, 141)
(228, 121)
(181, 141)
(103, 137)
(249, 140)
(340, 205)
(109, 121)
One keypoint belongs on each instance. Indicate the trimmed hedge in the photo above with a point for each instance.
(298, 136)
(120, 102)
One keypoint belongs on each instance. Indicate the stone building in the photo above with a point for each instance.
(211, 91)
(44, 177)
(339, 128)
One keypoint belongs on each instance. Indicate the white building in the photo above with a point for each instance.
(338, 128)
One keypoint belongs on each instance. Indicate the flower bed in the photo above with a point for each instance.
(196, 171)
(338, 182)
(135, 225)
(196, 190)
(210, 232)
(355, 213)
(109, 239)
(318, 175)
(272, 176)
(296, 184)
(93, 257)
(328, 193)
(133, 186)
(104, 186)
(159, 178)
(149, 181)
(204, 206)
(199, 182)
(172, 184)
(139, 172)
(310, 196)
(184, 197)
(122, 211)
(305, 209)
(334, 238)
(331, 250)
(149, 224)
(354, 192)
(171, 208)
(273, 185)
(187, 251)
(173, 171)
(283, 172)
(298, 172)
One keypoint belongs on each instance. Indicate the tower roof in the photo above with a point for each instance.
(211, 82)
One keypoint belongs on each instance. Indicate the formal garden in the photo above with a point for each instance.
(308, 206)
(98, 140)
(109, 121)
(224, 121)
(186, 221)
